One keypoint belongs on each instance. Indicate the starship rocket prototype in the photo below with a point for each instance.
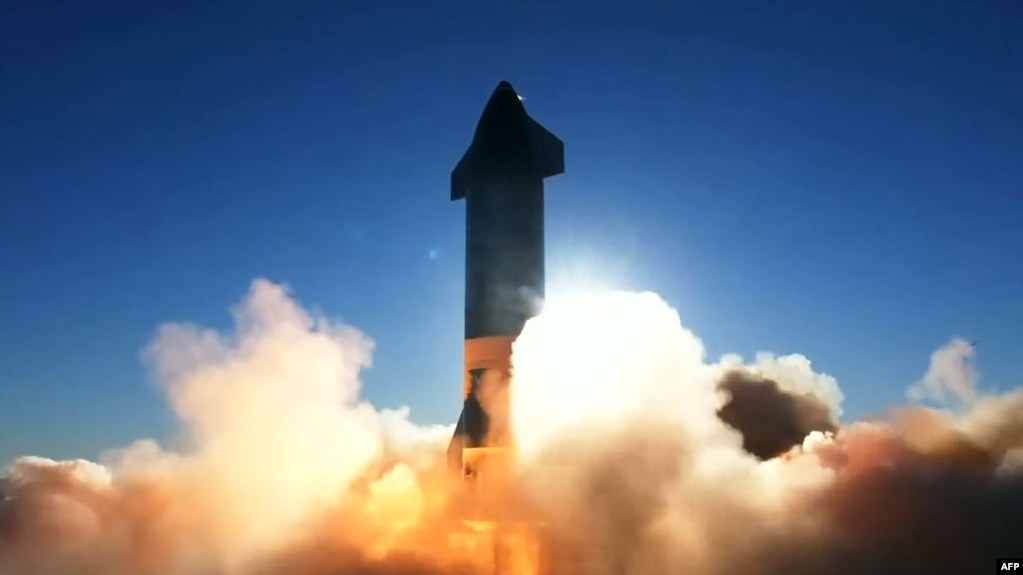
(500, 177)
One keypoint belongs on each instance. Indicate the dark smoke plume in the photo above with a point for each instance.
(770, 419)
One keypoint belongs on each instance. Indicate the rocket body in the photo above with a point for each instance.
(501, 178)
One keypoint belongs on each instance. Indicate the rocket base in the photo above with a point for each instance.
(503, 537)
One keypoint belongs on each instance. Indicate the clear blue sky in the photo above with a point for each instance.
(841, 179)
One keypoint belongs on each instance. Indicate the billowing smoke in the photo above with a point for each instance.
(950, 376)
(644, 477)
(276, 441)
(771, 419)
(634, 453)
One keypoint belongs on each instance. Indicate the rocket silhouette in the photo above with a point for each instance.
(501, 178)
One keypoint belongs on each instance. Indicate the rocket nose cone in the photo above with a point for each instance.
(504, 85)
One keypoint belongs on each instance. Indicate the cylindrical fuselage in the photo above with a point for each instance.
(504, 271)
(504, 256)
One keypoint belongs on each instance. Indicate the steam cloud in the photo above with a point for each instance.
(636, 453)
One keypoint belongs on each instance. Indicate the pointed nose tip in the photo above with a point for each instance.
(504, 85)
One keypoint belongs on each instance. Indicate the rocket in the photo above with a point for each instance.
(501, 178)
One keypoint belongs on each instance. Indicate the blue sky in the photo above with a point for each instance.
(840, 179)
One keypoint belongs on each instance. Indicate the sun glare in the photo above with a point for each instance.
(593, 357)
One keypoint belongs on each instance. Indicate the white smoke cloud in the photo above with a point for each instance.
(616, 407)
(275, 433)
(624, 457)
(570, 363)
(950, 375)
